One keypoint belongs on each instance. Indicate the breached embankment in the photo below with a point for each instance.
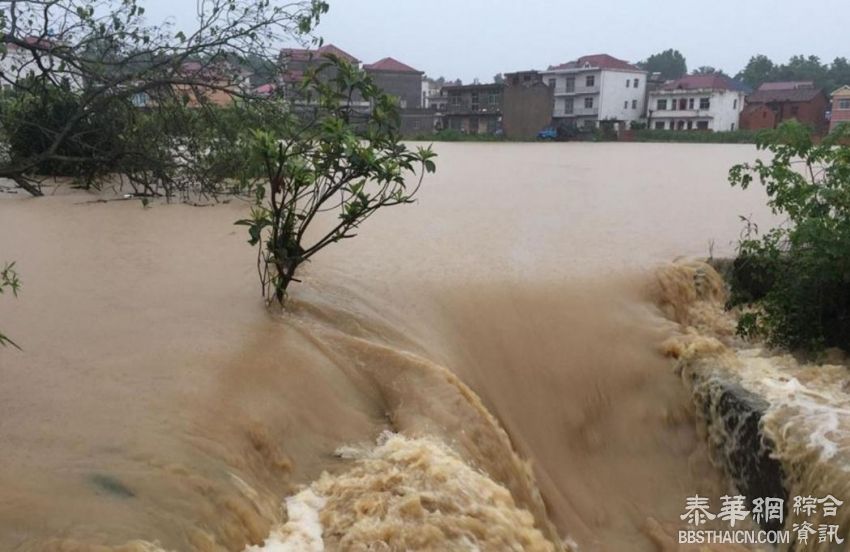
(778, 426)
(155, 399)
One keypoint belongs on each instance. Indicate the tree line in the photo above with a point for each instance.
(671, 64)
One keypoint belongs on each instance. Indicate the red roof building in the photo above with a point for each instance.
(597, 61)
(391, 65)
(596, 88)
(798, 100)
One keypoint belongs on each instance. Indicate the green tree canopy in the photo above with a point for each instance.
(670, 63)
(758, 70)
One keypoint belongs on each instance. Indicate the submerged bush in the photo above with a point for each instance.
(332, 158)
(798, 274)
(8, 282)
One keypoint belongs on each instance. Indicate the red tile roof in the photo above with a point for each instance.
(306, 54)
(601, 61)
(703, 82)
(784, 95)
(785, 85)
(390, 65)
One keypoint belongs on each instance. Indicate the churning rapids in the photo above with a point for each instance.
(482, 370)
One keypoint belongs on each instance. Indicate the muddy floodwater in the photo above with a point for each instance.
(493, 349)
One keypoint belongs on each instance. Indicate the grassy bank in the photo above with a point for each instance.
(729, 137)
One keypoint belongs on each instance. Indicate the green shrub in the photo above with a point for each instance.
(34, 115)
(798, 274)
(450, 135)
(696, 136)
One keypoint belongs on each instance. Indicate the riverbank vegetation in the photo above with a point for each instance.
(92, 93)
(696, 136)
(795, 278)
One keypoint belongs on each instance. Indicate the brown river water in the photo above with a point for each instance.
(492, 350)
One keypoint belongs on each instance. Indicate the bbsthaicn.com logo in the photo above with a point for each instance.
(762, 521)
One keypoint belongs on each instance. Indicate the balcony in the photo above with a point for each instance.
(577, 112)
(577, 90)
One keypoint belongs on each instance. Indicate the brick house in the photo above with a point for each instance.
(397, 79)
(405, 83)
(474, 108)
(294, 64)
(840, 112)
(596, 88)
(697, 102)
(527, 105)
(775, 102)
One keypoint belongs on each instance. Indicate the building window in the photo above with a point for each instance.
(702, 125)
(690, 103)
(637, 82)
(551, 83)
(680, 125)
(494, 99)
(705, 103)
(843, 104)
(634, 104)
(568, 105)
(588, 102)
(590, 81)
(475, 101)
(735, 104)
(659, 125)
(732, 127)
(626, 104)
(683, 104)
(690, 125)
(661, 105)
(588, 123)
(571, 84)
(628, 82)
(454, 100)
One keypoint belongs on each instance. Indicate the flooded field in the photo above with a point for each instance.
(493, 349)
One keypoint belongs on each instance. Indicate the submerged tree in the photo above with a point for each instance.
(8, 282)
(337, 161)
(92, 83)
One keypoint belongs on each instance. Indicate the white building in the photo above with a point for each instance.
(432, 95)
(597, 88)
(697, 102)
(19, 62)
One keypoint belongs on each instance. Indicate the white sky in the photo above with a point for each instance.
(479, 38)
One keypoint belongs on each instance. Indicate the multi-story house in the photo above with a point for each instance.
(399, 80)
(527, 105)
(840, 107)
(294, 64)
(403, 82)
(596, 88)
(474, 108)
(775, 102)
(433, 96)
(697, 102)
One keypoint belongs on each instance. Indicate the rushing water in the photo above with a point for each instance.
(492, 349)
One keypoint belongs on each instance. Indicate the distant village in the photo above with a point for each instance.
(570, 99)
(585, 94)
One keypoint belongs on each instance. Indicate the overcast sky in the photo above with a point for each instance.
(479, 38)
